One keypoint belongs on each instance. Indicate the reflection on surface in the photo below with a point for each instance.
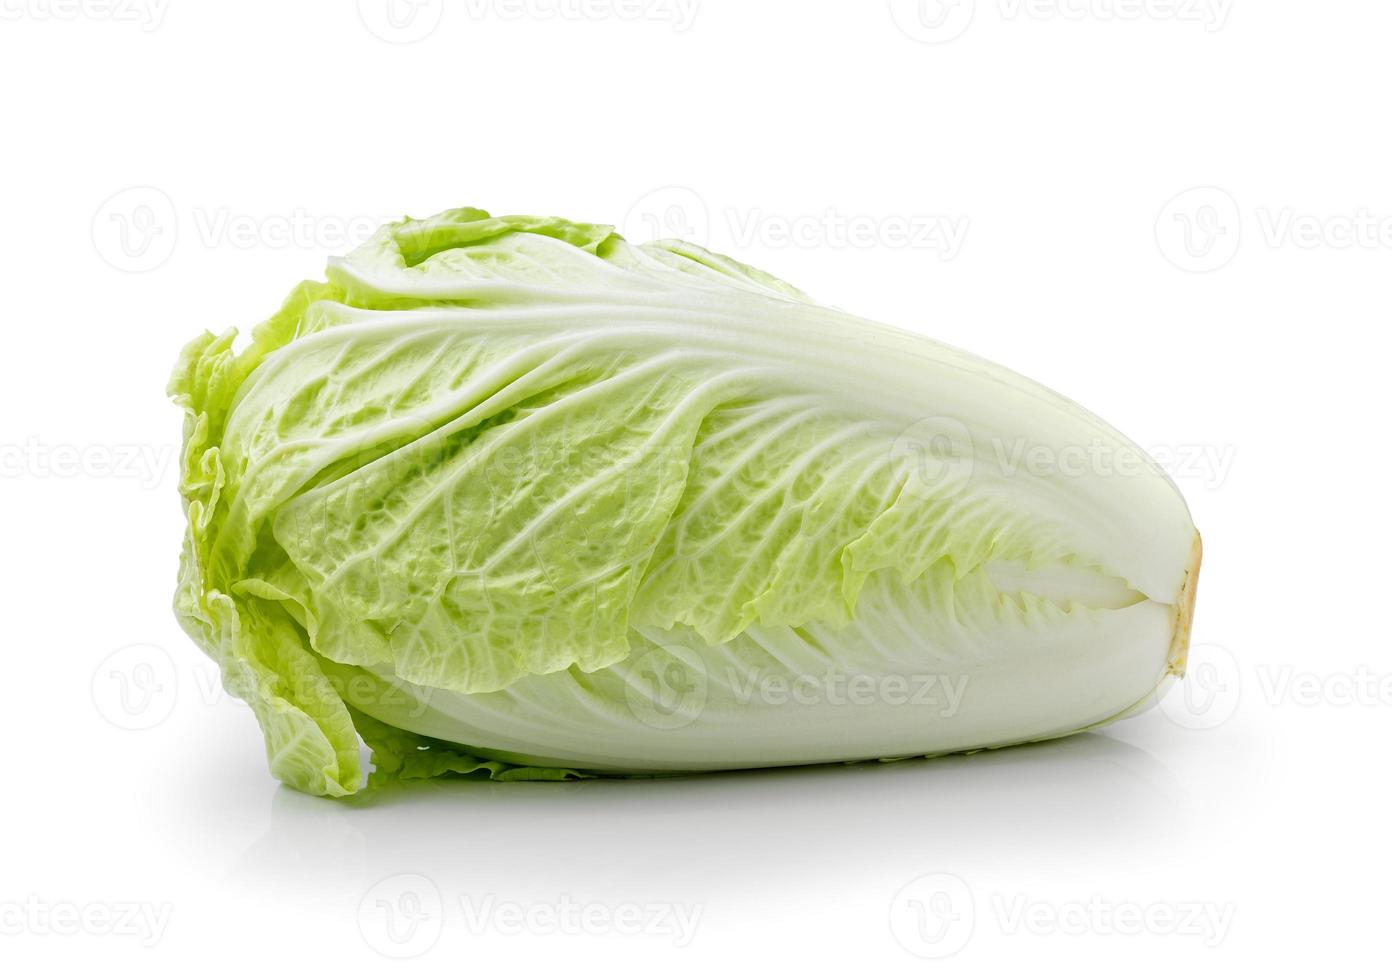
(1086, 800)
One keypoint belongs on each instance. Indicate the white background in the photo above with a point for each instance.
(1177, 213)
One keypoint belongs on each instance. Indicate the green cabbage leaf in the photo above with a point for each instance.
(514, 497)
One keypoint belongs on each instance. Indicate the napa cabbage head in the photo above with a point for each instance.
(514, 496)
